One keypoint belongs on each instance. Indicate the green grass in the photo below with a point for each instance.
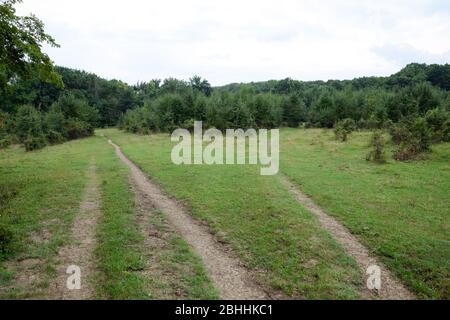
(36, 205)
(272, 233)
(119, 249)
(177, 271)
(121, 254)
(40, 194)
(401, 211)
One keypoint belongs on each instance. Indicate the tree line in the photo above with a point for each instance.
(86, 101)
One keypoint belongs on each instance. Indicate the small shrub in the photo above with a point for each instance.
(34, 142)
(5, 142)
(55, 137)
(438, 121)
(362, 124)
(413, 137)
(76, 129)
(399, 133)
(28, 122)
(377, 142)
(343, 128)
(54, 121)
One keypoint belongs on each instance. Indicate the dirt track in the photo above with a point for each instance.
(80, 251)
(232, 280)
(391, 288)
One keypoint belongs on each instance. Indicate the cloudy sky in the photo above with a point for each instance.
(241, 40)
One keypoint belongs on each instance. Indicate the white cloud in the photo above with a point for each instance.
(239, 41)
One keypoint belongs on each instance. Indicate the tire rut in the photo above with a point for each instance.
(229, 276)
(80, 251)
(391, 287)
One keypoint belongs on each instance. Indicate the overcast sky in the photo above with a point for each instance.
(241, 40)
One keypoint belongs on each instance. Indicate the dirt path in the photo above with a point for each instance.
(391, 288)
(80, 251)
(231, 279)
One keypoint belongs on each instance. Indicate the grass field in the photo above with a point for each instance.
(400, 211)
(41, 192)
(36, 208)
(255, 214)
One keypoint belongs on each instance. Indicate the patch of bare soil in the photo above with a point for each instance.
(391, 288)
(80, 251)
(229, 276)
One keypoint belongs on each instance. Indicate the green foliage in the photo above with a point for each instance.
(5, 142)
(76, 128)
(28, 124)
(34, 142)
(5, 125)
(377, 144)
(294, 110)
(200, 85)
(72, 107)
(6, 240)
(55, 120)
(343, 128)
(68, 118)
(21, 40)
(413, 137)
(438, 121)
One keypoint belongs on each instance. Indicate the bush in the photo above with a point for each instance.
(28, 122)
(54, 137)
(5, 142)
(377, 142)
(55, 120)
(438, 122)
(34, 142)
(73, 107)
(76, 129)
(343, 128)
(29, 128)
(413, 138)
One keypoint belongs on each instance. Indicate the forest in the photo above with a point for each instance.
(413, 105)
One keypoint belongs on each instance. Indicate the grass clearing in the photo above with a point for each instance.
(257, 216)
(400, 211)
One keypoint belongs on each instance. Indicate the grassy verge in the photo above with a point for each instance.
(399, 210)
(36, 211)
(272, 233)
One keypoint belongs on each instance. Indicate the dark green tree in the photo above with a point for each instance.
(21, 39)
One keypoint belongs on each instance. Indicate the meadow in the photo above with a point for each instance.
(399, 210)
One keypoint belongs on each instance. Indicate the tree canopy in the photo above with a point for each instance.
(21, 40)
